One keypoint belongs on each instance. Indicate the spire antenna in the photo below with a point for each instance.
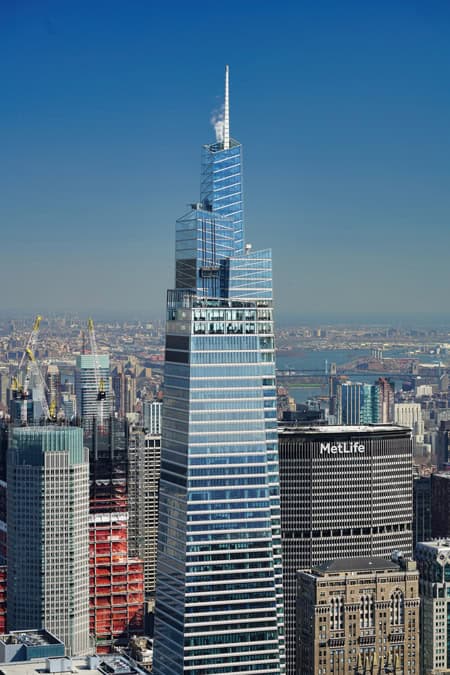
(226, 116)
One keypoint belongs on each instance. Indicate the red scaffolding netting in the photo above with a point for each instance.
(116, 584)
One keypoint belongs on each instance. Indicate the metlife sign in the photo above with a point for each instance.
(342, 448)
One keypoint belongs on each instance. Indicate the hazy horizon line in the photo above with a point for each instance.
(282, 319)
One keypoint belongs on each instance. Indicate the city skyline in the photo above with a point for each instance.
(105, 111)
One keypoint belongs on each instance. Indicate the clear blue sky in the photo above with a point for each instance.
(343, 109)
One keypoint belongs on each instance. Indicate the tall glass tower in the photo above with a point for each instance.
(219, 606)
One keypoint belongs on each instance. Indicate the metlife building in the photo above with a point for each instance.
(346, 491)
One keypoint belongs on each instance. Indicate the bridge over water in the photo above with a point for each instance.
(305, 376)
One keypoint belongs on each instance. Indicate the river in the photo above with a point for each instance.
(312, 359)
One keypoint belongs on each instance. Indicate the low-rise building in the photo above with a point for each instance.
(112, 664)
(31, 644)
(359, 615)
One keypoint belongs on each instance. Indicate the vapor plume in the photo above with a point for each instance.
(218, 122)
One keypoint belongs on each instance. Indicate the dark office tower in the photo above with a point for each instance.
(116, 578)
(440, 504)
(345, 492)
(48, 573)
(117, 385)
(442, 443)
(4, 433)
(332, 388)
(21, 408)
(219, 598)
(422, 509)
(303, 414)
(108, 458)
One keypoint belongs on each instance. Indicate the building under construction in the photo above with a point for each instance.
(116, 583)
(116, 579)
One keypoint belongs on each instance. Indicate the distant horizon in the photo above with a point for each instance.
(430, 320)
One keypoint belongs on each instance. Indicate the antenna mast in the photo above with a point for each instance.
(226, 116)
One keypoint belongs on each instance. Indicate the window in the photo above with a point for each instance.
(366, 611)
(397, 608)
(336, 613)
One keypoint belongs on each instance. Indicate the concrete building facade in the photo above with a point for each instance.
(144, 460)
(151, 416)
(359, 616)
(47, 518)
(410, 415)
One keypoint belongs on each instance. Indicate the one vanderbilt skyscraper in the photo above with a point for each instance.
(219, 599)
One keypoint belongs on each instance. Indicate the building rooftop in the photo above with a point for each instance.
(333, 429)
(363, 565)
(110, 664)
(30, 638)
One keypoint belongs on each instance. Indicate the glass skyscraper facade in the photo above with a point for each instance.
(358, 403)
(219, 599)
(86, 387)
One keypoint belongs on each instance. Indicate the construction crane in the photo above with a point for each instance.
(99, 381)
(31, 343)
(39, 382)
(21, 387)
